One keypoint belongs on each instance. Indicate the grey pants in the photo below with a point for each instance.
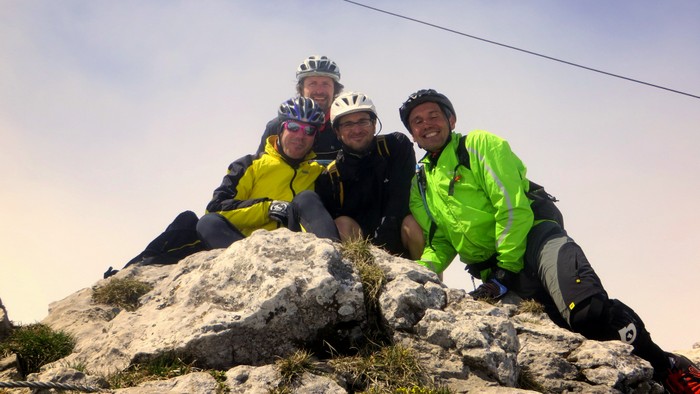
(557, 272)
(558, 275)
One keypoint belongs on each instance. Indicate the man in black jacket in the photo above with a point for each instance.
(318, 78)
(366, 188)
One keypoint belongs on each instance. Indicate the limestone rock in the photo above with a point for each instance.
(260, 299)
(239, 310)
(194, 383)
(247, 379)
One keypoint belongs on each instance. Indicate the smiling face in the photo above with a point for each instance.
(429, 126)
(356, 130)
(320, 89)
(296, 144)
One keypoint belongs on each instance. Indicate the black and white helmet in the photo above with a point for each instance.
(320, 66)
(302, 109)
(425, 96)
(350, 102)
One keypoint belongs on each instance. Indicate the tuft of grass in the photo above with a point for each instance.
(163, 367)
(220, 376)
(360, 253)
(36, 345)
(388, 370)
(530, 306)
(122, 293)
(293, 367)
(78, 366)
(373, 279)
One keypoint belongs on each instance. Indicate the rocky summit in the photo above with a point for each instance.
(241, 310)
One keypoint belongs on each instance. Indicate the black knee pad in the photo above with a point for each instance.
(604, 319)
(627, 325)
(629, 328)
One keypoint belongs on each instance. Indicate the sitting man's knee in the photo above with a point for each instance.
(216, 232)
(412, 237)
(348, 228)
(306, 198)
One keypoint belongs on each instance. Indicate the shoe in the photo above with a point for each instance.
(683, 376)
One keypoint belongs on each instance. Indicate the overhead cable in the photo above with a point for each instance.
(520, 49)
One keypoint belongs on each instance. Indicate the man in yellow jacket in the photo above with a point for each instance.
(274, 188)
(318, 78)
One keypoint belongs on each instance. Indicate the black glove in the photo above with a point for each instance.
(278, 211)
(496, 286)
(491, 289)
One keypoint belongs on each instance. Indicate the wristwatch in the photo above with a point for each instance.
(503, 276)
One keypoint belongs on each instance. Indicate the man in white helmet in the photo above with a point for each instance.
(366, 188)
(318, 78)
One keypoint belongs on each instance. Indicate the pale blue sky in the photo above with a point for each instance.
(116, 116)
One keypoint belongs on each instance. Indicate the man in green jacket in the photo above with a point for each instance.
(472, 201)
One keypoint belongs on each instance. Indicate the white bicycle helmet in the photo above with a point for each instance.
(301, 109)
(320, 66)
(351, 102)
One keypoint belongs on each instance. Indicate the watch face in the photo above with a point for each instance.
(500, 274)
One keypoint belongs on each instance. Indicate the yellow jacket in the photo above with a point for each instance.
(253, 181)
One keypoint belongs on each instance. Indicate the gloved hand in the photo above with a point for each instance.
(278, 211)
(491, 289)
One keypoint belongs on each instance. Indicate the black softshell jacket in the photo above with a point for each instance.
(373, 189)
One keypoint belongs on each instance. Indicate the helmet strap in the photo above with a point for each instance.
(294, 163)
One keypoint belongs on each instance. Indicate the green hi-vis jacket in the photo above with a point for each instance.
(478, 212)
(253, 181)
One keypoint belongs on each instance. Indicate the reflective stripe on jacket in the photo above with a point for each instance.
(479, 212)
(253, 181)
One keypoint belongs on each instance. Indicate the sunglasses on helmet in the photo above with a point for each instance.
(309, 130)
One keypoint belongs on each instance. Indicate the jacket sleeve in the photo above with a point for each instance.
(324, 188)
(271, 128)
(504, 181)
(403, 168)
(231, 198)
(438, 253)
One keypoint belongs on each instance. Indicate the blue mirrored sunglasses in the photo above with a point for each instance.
(294, 127)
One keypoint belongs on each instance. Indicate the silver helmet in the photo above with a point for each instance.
(302, 109)
(318, 65)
